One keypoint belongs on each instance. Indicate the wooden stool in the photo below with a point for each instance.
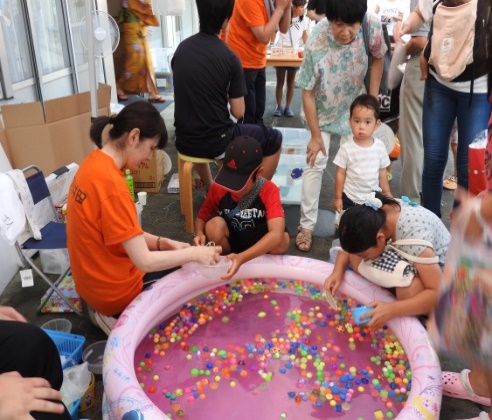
(185, 166)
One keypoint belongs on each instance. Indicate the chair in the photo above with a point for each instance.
(54, 236)
(161, 60)
(185, 167)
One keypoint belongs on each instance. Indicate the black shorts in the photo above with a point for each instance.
(242, 240)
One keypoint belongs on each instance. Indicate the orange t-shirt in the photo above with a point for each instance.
(240, 38)
(100, 216)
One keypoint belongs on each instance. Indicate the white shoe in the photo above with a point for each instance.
(106, 323)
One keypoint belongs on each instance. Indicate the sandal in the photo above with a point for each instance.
(450, 183)
(304, 239)
(122, 97)
(457, 385)
(157, 98)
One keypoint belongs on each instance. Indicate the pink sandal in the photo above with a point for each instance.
(457, 385)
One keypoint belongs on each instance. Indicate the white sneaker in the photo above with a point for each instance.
(106, 323)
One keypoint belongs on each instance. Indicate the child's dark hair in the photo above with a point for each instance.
(366, 101)
(347, 11)
(141, 115)
(213, 13)
(359, 225)
(297, 3)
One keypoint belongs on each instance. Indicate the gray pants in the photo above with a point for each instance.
(410, 132)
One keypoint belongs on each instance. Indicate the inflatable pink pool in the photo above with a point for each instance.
(265, 346)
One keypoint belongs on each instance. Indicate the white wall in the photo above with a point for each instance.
(9, 260)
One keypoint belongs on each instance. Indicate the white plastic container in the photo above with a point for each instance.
(94, 355)
(288, 177)
(294, 140)
(215, 271)
(58, 324)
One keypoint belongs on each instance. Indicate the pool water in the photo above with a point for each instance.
(271, 349)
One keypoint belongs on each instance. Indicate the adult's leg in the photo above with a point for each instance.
(250, 97)
(27, 349)
(203, 170)
(439, 113)
(279, 88)
(311, 186)
(260, 86)
(410, 131)
(472, 119)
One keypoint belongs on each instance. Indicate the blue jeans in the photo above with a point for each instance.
(255, 98)
(441, 106)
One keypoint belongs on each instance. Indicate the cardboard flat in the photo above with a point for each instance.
(49, 136)
(150, 176)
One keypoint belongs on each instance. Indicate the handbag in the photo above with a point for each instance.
(462, 320)
(394, 267)
(452, 38)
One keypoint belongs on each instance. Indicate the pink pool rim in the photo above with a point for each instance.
(122, 391)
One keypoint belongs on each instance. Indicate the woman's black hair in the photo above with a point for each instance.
(141, 115)
(213, 13)
(347, 11)
(359, 225)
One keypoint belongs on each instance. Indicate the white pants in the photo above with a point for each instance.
(311, 184)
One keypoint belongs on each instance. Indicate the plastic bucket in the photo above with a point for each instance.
(58, 324)
(87, 401)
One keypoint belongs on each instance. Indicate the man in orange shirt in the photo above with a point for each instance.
(251, 28)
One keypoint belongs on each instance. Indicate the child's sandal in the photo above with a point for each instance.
(304, 239)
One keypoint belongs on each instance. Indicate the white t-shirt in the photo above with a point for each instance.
(391, 9)
(362, 165)
(296, 29)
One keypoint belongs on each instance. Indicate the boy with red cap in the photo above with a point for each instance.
(242, 211)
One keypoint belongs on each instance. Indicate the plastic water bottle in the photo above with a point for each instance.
(129, 182)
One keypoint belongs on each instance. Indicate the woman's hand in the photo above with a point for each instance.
(381, 314)
(20, 396)
(208, 255)
(8, 313)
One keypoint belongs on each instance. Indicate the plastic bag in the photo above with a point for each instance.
(476, 164)
(462, 324)
(76, 380)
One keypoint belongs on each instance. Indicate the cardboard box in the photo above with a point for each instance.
(150, 175)
(51, 134)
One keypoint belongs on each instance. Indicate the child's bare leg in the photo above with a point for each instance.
(283, 246)
(216, 230)
(279, 89)
(291, 82)
(416, 286)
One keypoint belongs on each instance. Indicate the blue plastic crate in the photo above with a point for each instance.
(74, 411)
(69, 346)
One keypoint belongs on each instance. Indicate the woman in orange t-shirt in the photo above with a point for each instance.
(112, 258)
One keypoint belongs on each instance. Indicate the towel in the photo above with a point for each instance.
(12, 215)
(20, 183)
